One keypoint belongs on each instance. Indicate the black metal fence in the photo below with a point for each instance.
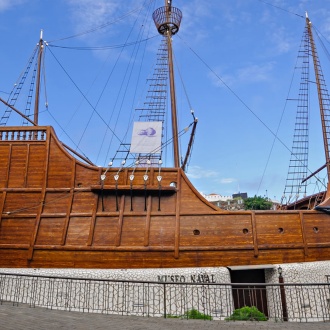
(278, 302)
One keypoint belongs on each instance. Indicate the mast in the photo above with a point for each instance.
(322, 96)
(37, 93)
(167, 20)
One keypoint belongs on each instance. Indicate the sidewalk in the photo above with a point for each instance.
(29, 318)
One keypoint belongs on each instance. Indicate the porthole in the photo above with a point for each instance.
(173, 184)
(281, 230)
(196, 232)
(316, 230)
(245, 231)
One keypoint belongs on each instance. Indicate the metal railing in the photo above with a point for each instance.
(279, 302)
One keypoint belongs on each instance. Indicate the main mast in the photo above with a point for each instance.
(323, 97)
(167, 20)
(297, 175)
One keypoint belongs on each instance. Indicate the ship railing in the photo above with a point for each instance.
(308, 302)
(23, 134)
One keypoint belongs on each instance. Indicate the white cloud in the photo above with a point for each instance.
(8, 4)
(255, 72)
(249, 74)
(228, 180)
(196, 172)
(281, 40)
(92, 13)
(194, 14)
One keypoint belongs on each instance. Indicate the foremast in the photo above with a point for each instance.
(38, 78)
(167, 20)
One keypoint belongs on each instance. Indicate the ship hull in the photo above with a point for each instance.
(57, 212)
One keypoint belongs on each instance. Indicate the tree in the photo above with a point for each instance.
(257, 203)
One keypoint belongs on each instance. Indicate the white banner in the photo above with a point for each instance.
(146, 137)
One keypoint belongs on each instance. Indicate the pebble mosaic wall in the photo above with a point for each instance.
(50, 287)
(193, 275)
(307, 272)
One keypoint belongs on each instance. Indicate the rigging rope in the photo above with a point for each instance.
(280, 121)
(15, 92)
(124, 45)
(136, 45)
(190, 146)
(102, 26)
(84, 96)
(278, 7)
(318, 33)
(126, 76)
(132, 113)
(239, 98)
(235, 94)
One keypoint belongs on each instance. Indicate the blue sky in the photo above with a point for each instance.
(252, 45)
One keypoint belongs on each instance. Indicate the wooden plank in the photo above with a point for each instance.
(278, 229)
(105, 232)
(50, 232)
(216, 230)
(78, 231)
(17, 171)
(162, 231)
(36, 165)
(317, 229)
(16, 231)
(4, 165)
(159, 259)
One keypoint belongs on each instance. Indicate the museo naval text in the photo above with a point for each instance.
(193, 278)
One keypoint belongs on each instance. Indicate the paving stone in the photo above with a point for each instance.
(37, 318)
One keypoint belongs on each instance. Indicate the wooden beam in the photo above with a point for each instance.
(42, 201)
(120, 220)
(303, 233)
(148, 221)
(93, 221)
(254, 233)
(177, 217)
(4, 194)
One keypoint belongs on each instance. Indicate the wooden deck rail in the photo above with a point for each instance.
(28, 134)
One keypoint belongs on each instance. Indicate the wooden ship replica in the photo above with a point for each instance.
(58, 210)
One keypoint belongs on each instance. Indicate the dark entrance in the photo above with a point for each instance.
(249, 295)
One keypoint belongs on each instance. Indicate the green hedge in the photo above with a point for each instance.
(247, 314)
(192, 314)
